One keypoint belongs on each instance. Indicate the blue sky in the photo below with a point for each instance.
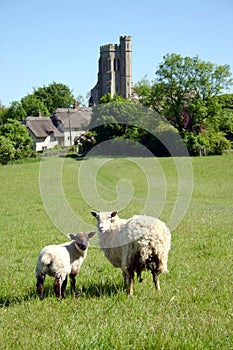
(58, 40)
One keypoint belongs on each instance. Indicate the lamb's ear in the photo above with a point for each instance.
(94, 214)
(113, 214)
(91, 234)
(71, 236)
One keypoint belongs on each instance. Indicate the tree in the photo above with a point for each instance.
(7, 150)
(116, 98)
(185, 91)
(80, 101)
(33, 106)
(55, 95)
(16, 111)
(118, 121)
(18, 135)
(3, 112)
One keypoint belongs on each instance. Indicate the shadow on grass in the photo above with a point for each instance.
(72, 156)
(9, 300)
(92, 291)
(100, 290)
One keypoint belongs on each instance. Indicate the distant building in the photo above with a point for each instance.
(71, 122)
(61, 128)
(115, 71)
(43, 133)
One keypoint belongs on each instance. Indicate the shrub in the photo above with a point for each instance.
(7, 150)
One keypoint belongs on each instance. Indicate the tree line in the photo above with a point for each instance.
(187, 91)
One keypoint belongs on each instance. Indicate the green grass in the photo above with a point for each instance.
(193, 309)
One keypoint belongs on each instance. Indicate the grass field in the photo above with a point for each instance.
(193, 309)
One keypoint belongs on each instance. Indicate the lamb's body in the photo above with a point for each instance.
(137, 244)
(61, 260)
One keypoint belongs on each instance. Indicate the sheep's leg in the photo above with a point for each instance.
(156, 280)
(128, 280)
(73, 282)
(57, 287)
(63, 288)
(39, 285)
(131, 285)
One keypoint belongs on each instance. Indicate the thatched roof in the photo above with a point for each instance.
(41, 127)
(76, 118)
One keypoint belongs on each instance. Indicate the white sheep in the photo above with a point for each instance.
(61, 260)
(139, 243)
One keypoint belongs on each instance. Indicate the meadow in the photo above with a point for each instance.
(193, 309)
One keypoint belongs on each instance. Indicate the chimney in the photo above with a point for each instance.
(39, 113)
(75, 105)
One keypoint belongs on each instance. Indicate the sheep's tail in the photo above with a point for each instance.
(43, 264)
(46, 259)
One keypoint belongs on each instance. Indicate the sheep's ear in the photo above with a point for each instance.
(113, 214)
(71, 236)
(94, 214)
(91, 234)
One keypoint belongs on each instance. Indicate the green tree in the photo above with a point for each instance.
(116, 98)
(184, 82)
(185, 91)
(18, 135)
(3, 114)
(55, 95)
(15, 111)
(33, 106)
(7, 150)
(118, 120)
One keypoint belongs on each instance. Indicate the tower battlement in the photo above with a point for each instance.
(108, 47)
(125, 37)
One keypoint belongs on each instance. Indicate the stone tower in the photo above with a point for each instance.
(115, 71)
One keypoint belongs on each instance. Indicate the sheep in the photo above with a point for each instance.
(139, 243)
(61, 260)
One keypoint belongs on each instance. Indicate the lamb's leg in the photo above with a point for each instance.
(63, 288)
(57, 287)
(39, 285)
(73, 282)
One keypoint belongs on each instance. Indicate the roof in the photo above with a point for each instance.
(76, 118)
(41, 127)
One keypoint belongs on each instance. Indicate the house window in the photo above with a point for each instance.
(44, 148)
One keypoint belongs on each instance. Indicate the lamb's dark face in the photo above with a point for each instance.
(82, 239)
(104, 220)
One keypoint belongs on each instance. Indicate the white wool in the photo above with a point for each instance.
(134, 244)
(60, 260)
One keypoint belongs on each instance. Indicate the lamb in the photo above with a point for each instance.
(139, 243)
(61, 260)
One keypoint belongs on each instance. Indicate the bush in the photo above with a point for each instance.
(209, 142)
(7, 150)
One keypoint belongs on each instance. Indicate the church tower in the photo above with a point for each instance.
(115, 71)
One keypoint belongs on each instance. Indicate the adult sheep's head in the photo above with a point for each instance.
(81, 239)
(104, 220)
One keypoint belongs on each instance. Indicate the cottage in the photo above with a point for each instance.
(43, 132)
(72, 122)
(62, 128)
